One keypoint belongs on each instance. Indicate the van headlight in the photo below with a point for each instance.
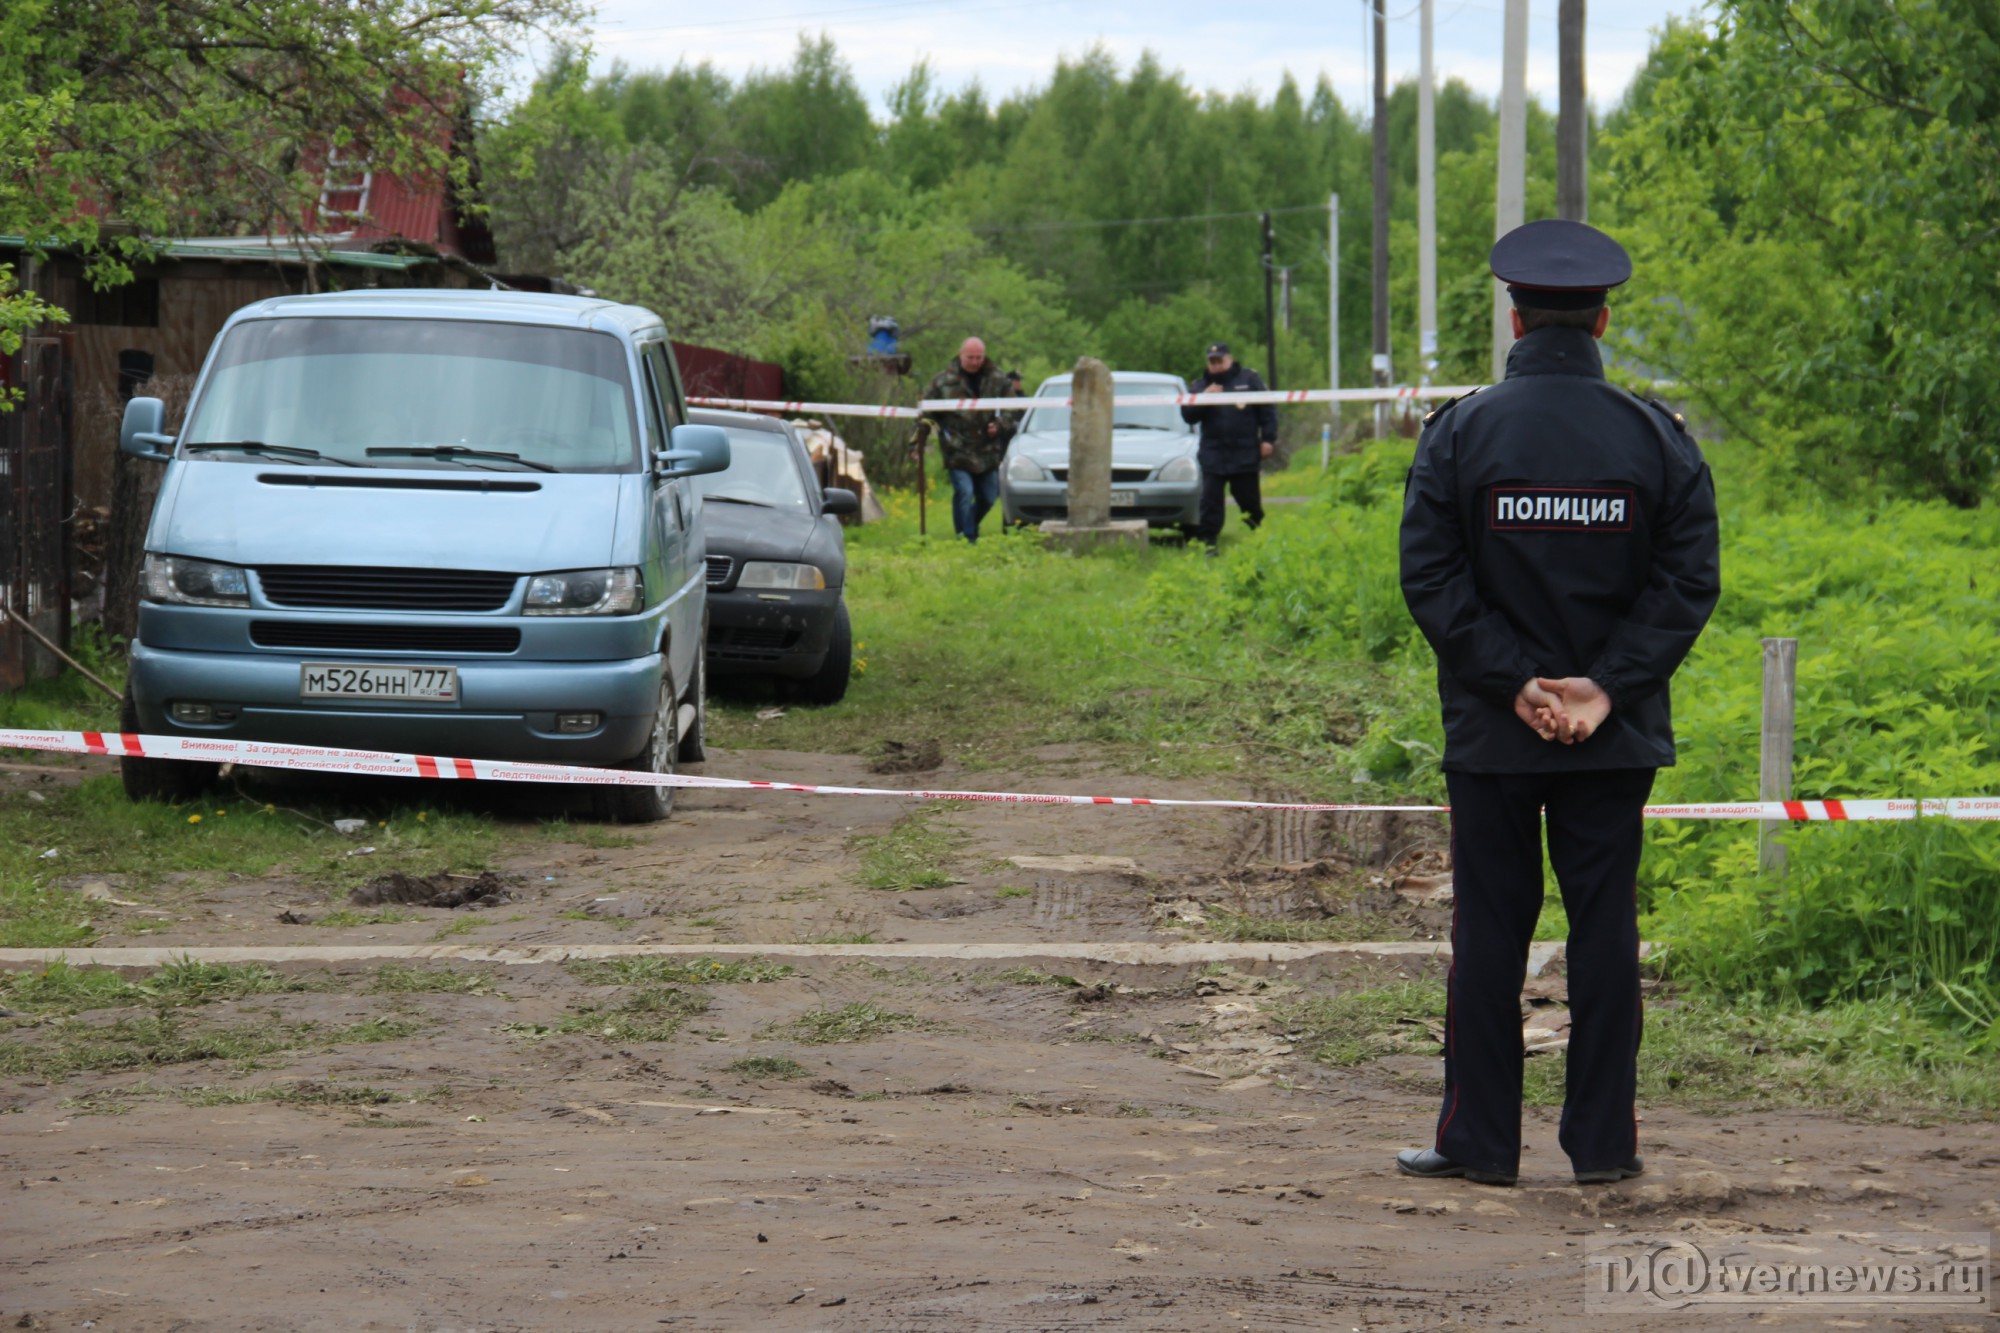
(185, 582)
(1020, 467)
(1183, 468)
(585, 592)
(769, 574)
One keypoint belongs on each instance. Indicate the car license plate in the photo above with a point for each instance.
(1124, 499)
(373, 680)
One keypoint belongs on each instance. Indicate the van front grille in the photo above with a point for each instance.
(355, 587)
(318, 635)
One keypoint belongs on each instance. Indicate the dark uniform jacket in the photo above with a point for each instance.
(1554, 525)
(965, 443)
(1230, 434)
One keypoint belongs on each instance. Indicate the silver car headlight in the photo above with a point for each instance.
(1020, 467)
(585, 592)
(769, 574)
(1183, 468)
(177, 579)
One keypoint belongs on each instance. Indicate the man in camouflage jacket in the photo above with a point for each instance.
(973, 442)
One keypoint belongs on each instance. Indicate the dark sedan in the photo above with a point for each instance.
(777, 561)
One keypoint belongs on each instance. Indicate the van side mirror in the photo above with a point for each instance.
(142, 434)
(839, 501)
(696, 450)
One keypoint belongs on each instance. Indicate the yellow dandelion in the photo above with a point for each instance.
(423, 816)
(194, 819)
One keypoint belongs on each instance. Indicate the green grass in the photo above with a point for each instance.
(676, 972)
(70, 1047)
(768, 1066)
(1014, 891)
(61, 988)
(96, 833)
(377, 916)
(651, 1014)
(306, 1093)
(856, 937)
(916, 852)
(1034, 976)
(1354, 1027)
(853, 1022)
(396, 979)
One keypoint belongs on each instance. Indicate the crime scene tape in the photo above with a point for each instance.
(377, 763)
(1408, 393)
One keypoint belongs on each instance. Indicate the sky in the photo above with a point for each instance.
(1011, 47)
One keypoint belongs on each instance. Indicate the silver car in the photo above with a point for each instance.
(1154, 475)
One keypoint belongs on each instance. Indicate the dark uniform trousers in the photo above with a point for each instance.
(1595, 822)
(1248, 489)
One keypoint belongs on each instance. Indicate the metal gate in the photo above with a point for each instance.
(34, 508)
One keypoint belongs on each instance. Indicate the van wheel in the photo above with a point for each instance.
(169, 780)
(828, 685)
(694, 741)
(647, 805)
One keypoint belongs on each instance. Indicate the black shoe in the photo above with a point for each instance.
(1427, 1164)
(1611, 1175)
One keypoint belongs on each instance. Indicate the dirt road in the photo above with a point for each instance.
(844, 1145)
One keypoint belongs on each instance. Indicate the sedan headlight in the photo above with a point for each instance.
(1020, 467)
(177, 579)
(767, 574)
(1183, 468)
(585, 592)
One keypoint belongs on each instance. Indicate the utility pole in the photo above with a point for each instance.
(1509, 198)
(1333, 297)
(1427, 204)
(1270, 328)
(1381, 191)
(1572, 118)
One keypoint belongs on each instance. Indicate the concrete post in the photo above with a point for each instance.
(1090, 522)
(1774, 749)
(1090, 444)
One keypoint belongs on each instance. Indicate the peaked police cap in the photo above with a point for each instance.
(1555, 264)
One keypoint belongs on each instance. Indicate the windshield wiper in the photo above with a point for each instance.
(274, 450)
(739, 500)
(457, 453)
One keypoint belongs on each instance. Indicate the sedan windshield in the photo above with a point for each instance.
(420, 393)
(763, 470)
(1166, 417)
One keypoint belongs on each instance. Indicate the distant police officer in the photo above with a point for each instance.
(1235, 440)
(1559, 553)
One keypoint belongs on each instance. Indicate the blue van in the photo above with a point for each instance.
(455, 523)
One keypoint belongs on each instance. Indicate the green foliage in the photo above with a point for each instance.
(675, 972)
(651, 1013)
(768, 1066)
(1823, 281)
(209, 117)
(915, 853)
(859, 1021)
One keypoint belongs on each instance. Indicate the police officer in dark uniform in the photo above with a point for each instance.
(1559, 552)
(1235, 441)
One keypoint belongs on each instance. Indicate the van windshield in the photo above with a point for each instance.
(454, 393)
(1164, 417)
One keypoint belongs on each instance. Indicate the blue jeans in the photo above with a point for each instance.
(972, 494)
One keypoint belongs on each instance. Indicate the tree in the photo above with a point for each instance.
(1823, 283)
(203, 116)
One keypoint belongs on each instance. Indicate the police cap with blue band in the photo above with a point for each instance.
(1556, 264)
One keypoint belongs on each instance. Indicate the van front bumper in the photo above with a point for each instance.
(505, 710)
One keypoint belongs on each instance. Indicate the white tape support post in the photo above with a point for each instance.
(1407, 394)
(377, 763)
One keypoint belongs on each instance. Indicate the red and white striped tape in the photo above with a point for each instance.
(376, 763)
(1408, 393)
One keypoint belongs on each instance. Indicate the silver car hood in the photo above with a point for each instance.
(1129, 448)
